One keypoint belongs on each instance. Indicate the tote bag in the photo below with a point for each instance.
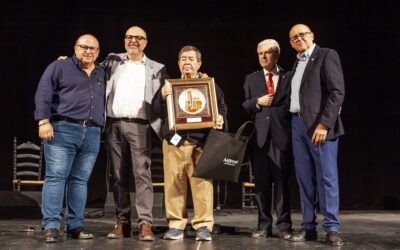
(223, 154)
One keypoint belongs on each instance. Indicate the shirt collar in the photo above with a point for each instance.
(142, 61)
(197, 76)
(274, 71)
(306, 55)
(75, 60)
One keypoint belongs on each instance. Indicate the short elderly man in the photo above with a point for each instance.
(266, 93)
(180, 160)
(70, 113)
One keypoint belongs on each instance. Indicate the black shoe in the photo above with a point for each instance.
(333, 239)
(261, 234)
(285, 234)
(304, 235)
(79, 233)
(51, 235)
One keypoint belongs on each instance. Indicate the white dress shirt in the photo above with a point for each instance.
(126, 98)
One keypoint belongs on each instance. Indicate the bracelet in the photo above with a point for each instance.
(43, 123)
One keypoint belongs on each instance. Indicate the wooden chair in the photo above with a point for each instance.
(248, 190)
(157, 170)
(27, 164)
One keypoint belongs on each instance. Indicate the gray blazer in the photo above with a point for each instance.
(155, 75)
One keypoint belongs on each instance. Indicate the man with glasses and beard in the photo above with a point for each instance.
(133, 79)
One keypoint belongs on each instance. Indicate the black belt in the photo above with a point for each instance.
(298, 114)
(127, 119)
(85, 123)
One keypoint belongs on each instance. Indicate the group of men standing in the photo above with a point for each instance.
(296, 113)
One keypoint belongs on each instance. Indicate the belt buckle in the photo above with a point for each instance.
(84, 123)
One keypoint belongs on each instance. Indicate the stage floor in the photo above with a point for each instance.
(360, 230)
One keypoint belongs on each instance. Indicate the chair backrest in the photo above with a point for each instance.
(27, 163)
(246, 166)
(157, 172)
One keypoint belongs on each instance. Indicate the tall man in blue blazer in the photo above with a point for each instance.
(317, 94)
(266, 93)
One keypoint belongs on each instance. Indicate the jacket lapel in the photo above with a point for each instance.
(149, 76)
(281, 81)
(260, 83)
(310, 64)
(116, 61)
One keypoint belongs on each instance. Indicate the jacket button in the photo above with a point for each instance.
(267, 117)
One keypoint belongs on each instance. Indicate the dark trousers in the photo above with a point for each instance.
(271, 165)
(130, 140)
(317, 176)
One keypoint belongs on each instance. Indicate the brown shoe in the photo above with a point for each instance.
(145, 233)
(333, 239)
(121, 229)
(285, 234)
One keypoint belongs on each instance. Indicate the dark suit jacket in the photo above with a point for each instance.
(275, 118)
(322, 92)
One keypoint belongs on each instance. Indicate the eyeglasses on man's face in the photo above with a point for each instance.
(301, 35)
(86, 48)
(137, 38)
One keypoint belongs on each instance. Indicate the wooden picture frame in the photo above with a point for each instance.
(192, 104)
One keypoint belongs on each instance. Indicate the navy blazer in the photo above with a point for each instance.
(322, 92)
(275, 118)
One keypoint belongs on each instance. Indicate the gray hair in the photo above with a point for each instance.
(271, 43)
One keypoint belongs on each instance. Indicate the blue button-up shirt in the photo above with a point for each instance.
(65, 89)
(297, 77)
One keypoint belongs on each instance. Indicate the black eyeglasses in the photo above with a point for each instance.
(137, 38)
(85, 48)
(300, 35)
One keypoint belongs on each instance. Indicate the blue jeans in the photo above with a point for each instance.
(317, 176)
(70, 157)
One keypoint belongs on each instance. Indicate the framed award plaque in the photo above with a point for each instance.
(192, 104)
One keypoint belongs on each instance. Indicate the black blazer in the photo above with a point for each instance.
(322, 92)
(275, 118)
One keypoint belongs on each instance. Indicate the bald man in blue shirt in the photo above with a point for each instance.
(70, 113)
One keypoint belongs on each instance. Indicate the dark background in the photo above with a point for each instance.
(365, 34)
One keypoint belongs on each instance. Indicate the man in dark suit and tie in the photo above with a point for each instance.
(317, 93)
(266, 93)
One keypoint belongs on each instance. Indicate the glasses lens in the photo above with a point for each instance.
(86, 48)
(137, 38)
(300, 35)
